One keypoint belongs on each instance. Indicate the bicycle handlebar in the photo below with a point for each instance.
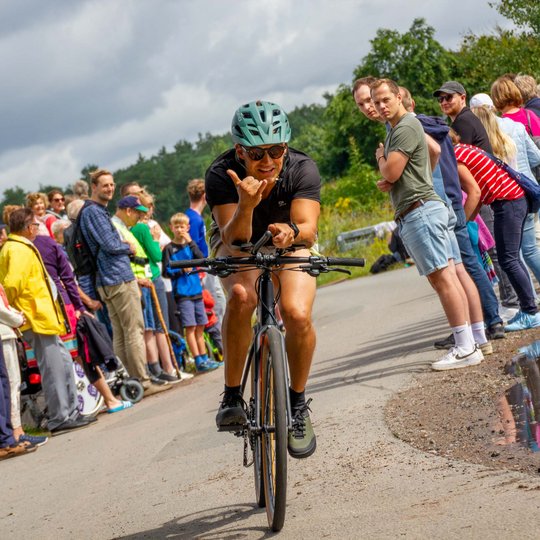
(232, 263)
(224, 266)
(343, 261)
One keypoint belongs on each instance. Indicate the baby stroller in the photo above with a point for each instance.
(90, 401)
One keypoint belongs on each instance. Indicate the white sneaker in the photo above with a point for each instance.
(456, 359)
(506, 313)
(184, 376)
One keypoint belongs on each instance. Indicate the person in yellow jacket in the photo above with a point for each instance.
(30, 290)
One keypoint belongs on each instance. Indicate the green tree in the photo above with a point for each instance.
(524, 13)
(86, 170)
(414, 59)
(481, 59)
(14, 195)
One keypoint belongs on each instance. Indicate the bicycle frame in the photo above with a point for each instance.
(266, 317)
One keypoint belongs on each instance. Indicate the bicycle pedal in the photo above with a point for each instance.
(237, 429)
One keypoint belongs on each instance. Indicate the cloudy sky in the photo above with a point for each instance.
(98, 81)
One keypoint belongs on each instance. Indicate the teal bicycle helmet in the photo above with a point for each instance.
(260, 122)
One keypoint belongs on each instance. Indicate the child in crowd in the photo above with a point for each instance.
(187, 289)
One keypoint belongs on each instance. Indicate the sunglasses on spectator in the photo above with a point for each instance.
(256, 153)
(448, 98)
(61, 199)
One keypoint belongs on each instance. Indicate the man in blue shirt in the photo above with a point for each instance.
(115, 281)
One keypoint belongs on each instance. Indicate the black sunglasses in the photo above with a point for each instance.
(256, 153)
(448, 98)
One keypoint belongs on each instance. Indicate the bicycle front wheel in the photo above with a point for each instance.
(274, 426)
(256, 439)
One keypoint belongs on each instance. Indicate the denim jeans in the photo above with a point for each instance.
(508, 220)
(529, 248)
(490, 304)
(506, 292)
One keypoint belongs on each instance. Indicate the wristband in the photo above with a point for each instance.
(295, 228)
(380, 157)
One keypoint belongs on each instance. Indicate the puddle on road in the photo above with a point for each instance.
(519, 406)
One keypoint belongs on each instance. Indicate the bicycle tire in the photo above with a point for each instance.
(274, 433)
(256, 413)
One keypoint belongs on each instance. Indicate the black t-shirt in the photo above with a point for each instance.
(299, 179)
(471, 131)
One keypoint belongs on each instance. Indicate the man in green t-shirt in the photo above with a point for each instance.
(421, 215)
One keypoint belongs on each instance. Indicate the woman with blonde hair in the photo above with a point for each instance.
(512, 145)
(38, 202)
(502, 144)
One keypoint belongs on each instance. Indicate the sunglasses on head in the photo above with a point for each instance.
(256, 153)
(448, 98)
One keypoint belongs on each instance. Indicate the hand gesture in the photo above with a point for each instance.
(250, 189)
(282, 235)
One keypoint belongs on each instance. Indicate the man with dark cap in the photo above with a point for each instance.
(451, 97)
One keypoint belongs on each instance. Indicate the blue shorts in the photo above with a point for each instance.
(192, 312)
(424, 232)
(454, 252)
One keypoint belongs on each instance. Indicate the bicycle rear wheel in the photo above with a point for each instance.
(274, 427)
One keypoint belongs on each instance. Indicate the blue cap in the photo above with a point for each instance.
(131, 202)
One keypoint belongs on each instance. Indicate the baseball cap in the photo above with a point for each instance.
(131, 202)
(481, 99)
(450, 87)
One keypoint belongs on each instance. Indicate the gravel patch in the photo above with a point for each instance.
(460, 414)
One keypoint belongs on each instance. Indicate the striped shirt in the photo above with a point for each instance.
(495, 183)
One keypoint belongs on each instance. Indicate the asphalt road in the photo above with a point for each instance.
(161, 470)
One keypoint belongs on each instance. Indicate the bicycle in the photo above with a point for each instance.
(266, 369)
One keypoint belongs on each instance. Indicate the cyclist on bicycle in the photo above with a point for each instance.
(262, 184)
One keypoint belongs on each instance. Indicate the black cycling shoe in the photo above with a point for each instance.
(446, 343)
(302, 441)
(231, 415)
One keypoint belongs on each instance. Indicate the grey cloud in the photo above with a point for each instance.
(101, 80)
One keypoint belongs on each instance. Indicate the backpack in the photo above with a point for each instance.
(79, 253)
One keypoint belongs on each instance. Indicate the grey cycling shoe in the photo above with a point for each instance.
(302, 441)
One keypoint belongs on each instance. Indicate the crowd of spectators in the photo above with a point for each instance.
(124, 297)
(460, 211)
(475, 168)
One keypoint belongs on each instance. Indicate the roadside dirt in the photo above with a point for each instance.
(460, 414)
